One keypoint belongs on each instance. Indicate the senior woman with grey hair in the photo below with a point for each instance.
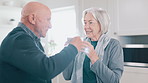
(102, 62)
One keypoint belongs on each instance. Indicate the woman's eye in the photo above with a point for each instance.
(90, 22)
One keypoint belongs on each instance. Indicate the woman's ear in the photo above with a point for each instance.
(32, 18)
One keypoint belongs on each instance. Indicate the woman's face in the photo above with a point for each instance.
(92, 27)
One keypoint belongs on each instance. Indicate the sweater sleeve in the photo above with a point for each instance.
(27, 57)
(67, 73)
(112, 72)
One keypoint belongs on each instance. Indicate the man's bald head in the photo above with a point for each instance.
(36, 17)
(33, 8)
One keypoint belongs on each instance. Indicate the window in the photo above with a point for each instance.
(63, 22)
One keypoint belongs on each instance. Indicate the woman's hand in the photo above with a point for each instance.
(91, 53)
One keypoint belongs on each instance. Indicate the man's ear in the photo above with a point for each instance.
(32, 18)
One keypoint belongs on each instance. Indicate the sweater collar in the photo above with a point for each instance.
(28, 31)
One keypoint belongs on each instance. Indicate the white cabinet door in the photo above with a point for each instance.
(135, 75)
(132, 17)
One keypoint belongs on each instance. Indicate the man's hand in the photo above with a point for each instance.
(77, 42)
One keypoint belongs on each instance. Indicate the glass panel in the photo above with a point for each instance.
(139, 55)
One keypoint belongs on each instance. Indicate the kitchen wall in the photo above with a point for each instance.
(9, 17)
(10, 13)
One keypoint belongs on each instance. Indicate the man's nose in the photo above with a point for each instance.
(50, 26)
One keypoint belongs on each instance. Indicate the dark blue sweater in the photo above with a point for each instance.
(22, 59)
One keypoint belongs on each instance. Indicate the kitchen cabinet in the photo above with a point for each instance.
(134, 75)
(132, 16)
(128, 17)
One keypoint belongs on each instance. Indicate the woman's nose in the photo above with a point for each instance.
(86, 25)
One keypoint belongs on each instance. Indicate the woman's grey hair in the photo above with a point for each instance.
(101, 16)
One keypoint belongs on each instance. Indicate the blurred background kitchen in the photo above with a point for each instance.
(129, 24)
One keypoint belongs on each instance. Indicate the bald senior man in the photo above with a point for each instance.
(22, 57)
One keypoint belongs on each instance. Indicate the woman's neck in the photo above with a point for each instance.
(95, 38)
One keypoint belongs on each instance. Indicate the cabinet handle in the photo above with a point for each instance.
(132, 64)
(115, 33)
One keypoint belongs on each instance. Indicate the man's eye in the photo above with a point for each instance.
(49, 19)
